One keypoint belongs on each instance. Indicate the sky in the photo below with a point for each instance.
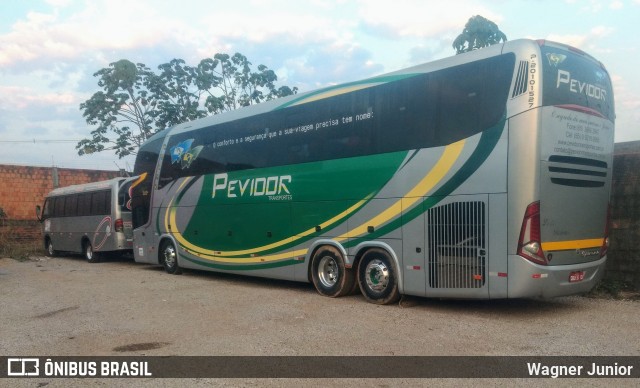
(50, 49)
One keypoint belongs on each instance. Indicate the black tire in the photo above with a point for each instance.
(329, 273)
(89, 254)
(51, 252)
(169, 258)
(377, 277)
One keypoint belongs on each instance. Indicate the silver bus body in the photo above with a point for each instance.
(341, 187)
(91, 219)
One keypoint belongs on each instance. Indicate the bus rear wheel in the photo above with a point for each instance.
(377, 277)
(89, 254)
(329, 273)
(169, 258)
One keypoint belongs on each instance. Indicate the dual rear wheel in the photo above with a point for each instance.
(376, 275)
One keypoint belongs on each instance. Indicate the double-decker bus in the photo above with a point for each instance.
(92, 219)
(483, 175)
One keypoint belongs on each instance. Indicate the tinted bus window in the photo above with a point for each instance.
(141, 194)
(101, 203)
(70, 205)
(58, 210)
(48, 207)
(84, 204)
(574, 79)
(422, 111)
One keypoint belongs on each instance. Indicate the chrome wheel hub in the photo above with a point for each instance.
(170, 256)
(377, 275)
(328, 271)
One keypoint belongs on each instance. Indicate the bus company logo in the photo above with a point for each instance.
(579, 87)
(182, 153)
(275, 187)
(555, 59)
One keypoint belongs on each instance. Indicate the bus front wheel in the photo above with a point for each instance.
(329, 274)
(169, 258)
(377, 277)
(51, 252)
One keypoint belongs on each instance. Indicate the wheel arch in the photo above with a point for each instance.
(83, 240)
(319, 244)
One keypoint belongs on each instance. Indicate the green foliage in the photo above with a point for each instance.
(178, 94)
(229, 83)
(135, 102)
(125, 108)
(478, 33)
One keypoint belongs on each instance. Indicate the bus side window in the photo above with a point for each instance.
(71, 206)
(100, 203)
(58, 207)
(84, 204)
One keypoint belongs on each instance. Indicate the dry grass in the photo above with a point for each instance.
(20, 250)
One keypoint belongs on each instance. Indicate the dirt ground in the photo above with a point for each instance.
(68, 307)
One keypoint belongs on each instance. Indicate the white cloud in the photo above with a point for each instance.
(617, 4)
(19, 98)
(587, 41)
(110, 25)
(422, 19)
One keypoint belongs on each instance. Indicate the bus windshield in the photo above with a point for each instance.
(574, 78)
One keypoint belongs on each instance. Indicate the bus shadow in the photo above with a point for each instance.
(514, 308)
(104, 259)
(236, 279)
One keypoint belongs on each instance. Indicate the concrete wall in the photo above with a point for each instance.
(24, 187)
(624, 254)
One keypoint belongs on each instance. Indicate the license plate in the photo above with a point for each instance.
(577, 276)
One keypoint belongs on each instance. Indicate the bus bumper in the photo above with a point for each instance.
(528, 280)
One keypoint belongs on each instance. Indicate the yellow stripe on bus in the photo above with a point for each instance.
(276, 244)
(435, 175)
(572, 244)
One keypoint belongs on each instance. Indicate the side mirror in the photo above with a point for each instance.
(39, 213)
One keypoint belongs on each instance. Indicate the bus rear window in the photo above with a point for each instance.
(574, 79)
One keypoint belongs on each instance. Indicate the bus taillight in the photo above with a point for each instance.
(118, 225)
(529, 244)
(605, 242)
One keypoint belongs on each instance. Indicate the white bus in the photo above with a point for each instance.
(483, 175)
(92, 219)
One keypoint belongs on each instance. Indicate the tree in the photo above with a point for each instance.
(229, 83)
(478, 33)
(177, 94)
(124, 106)
(135, 102)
